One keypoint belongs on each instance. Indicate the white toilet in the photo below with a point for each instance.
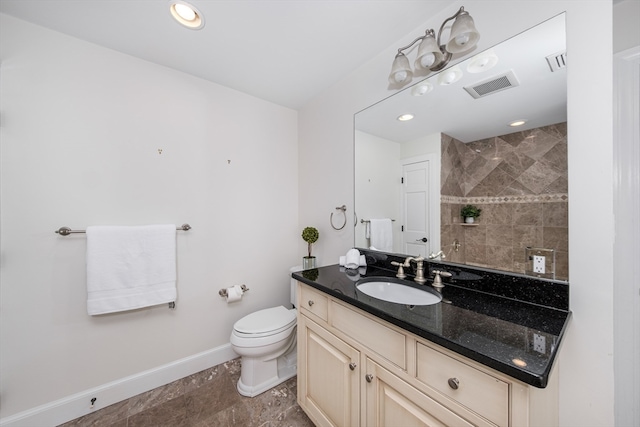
(266, 340)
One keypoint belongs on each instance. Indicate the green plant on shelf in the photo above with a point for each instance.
(470, 211)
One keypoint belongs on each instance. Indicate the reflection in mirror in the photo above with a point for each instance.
(459, 149)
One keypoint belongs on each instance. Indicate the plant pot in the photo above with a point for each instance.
(469, 220)
(308, 262)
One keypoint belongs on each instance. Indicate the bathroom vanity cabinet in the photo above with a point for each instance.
(356, 369)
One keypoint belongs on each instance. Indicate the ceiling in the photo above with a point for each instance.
(286, 52)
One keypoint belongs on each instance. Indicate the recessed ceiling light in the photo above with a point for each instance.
(421, 89)
(482, 62)
(449, 76)
(405, 117)
(187, 15)
(519, 362)
(516, 123)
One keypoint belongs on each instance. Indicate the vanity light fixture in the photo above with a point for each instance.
(517, 123)
(432, 55)
(405, 117)
(187, 15)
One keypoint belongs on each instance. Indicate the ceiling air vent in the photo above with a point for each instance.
(493, 85)
(557, 61)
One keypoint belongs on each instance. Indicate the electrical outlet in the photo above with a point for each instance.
(538, 264)
(539, 343)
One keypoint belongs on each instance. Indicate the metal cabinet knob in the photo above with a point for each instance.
(310, 303)
(453, 383)
(368, 377)
(352, 366)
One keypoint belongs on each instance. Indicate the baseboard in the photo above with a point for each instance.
(77, 405)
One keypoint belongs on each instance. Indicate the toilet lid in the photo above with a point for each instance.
(270, 320)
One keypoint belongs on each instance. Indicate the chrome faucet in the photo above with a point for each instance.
(419, 268)
(436, 255)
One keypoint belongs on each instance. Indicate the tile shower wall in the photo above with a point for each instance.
(519, 181)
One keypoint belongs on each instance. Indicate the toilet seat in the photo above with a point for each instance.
(264, 323)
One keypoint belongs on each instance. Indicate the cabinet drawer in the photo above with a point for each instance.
(313, 301)
(383, 340)
(486, 395)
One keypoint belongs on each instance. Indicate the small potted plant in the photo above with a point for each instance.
(470, 213)
(309, 235)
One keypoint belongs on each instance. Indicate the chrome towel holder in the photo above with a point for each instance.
(65, 231)
(342, 208)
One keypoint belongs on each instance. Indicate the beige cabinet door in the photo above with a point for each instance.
(328, 376)
(392, 402)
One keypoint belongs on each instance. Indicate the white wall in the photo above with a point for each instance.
(81, 129)
(326, 140)
(378, 188)
(626, 31)
(428, 144)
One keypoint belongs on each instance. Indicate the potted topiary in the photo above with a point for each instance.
(470, 213)
(309, 235)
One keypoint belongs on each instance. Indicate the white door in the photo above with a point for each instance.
(416, 239)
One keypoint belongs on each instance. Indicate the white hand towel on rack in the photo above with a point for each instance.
(381, 234)
(130, 267)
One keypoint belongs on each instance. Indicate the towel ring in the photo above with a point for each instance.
(342, 208)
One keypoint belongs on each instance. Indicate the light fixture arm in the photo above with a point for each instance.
(426, 33)
(458, 13)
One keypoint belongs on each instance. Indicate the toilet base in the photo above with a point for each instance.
(259, 376)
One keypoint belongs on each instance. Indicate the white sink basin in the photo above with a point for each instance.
(398, 293)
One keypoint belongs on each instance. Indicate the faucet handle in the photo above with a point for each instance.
(437, 280)
(400, 274)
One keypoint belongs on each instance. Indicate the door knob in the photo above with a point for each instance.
(424, 239)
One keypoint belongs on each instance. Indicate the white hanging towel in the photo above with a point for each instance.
(130, 267)
(381, 234)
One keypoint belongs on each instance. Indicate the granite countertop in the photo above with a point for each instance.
(493, 329)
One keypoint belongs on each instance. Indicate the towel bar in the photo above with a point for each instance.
(65, 231)
(362, 221)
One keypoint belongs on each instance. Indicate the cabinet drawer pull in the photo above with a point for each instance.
(352, 366)
(453, 383)
(310, 303)
(368, 377)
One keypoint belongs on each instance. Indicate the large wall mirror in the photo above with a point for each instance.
(460, 149)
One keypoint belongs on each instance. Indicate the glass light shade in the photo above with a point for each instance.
(428, 53)
(400, 70)
(463, 35)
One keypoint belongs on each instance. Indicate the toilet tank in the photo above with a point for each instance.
(294, 284)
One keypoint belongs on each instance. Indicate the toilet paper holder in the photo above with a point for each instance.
(223, 292)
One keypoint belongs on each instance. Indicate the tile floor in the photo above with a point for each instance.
(207, 398)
